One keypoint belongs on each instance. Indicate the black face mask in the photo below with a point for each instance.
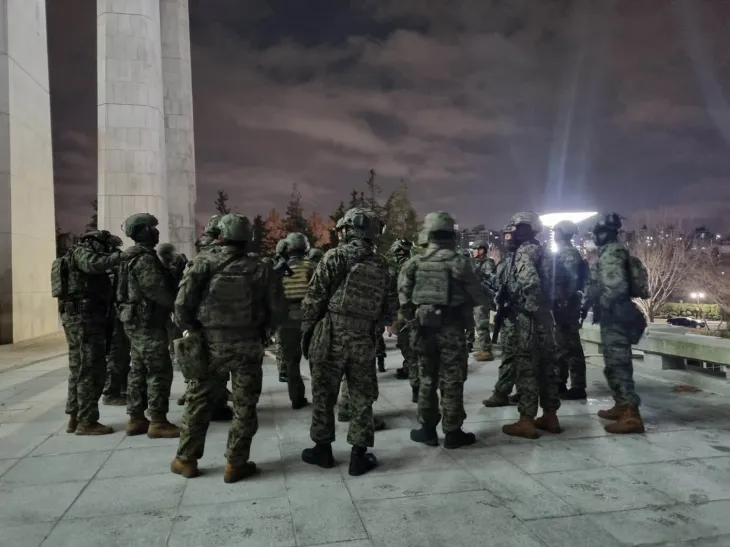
(148, 237)
(603, 237)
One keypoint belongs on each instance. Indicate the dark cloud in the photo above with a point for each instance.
(484, 107)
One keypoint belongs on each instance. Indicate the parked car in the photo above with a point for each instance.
(687, 322)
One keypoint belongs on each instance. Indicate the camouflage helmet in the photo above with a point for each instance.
(213, 228)
(340, 224)
(610, 221)
(528, 218)
(401, 247)
(296, 241)
(463, 252)
(281, 246)
(315, 254)
(480, 244)
(166, 249)
(439, 221)
(235, 228)
(422, 238)
(360, 223)
(137, 221)
(565, 229)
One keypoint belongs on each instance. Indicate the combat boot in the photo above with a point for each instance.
(320, 455)
(160, 428)
(549, 422)
(426, 435)
(515, 399)
(613, 413)
(73, 423)
(361, 461)
(343, 415)
(459, 438)
(574, 394)
(402, 373)
(283, 378)
(381, 364)
(469, 347)
(93, 429)
(112, 400)
(484, 355)
(414, 394)
(629, 422)
(300, 404)
(188, 469)
(137, 425)
(378, 423)
(496, 400)
(222, 413)
(524, 427)
(181, 400)
(562, 388)
(234, 473)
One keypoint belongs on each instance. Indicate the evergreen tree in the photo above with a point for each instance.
(357, 199)
(294, 219)
(221, 203)
(93, 223)
(260, 233)
(334, 217)
(400, 218)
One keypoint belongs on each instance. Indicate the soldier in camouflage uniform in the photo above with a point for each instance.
(118, 354)
(570, 273)
(85, 315)
(532, 339)
(232, 298)
(290, 331)
(145, 300)
(484, 268)
(280, 254)
(609, 294)
(175, 264)
(315, 255)
(347, 296)
(438, 290)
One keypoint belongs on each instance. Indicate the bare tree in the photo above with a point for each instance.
(669, 259)
(713, 275)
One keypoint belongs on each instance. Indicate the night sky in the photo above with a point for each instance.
(485, 107)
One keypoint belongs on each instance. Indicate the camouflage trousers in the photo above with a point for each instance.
(537, 376)
(352, 355)
(281, 369)
(117, 362)
(442, 366)
(410, 361)
(150, 375)
(483, 339)
(86, 340)
(243, 360)
(618, 367)
(380, 343)
(290, 357)
(506, 378)
(570, 354)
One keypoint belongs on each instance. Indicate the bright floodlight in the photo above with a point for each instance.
(551, 219)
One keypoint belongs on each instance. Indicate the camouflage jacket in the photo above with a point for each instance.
(148, 280)
(332, 271)
(523, 279)
(609, 284)
(89, 275)
(565, 277)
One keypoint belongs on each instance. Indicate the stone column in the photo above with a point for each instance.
(131, 121)
(179, 141)
(27, 216)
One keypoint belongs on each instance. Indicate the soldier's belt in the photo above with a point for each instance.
(351, 323)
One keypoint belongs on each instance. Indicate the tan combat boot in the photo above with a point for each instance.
(496, 399)
(137, 425)
(234, 473)
(93, 429)
(613, 413)
(549, 422)
(629, 422)
(484, 355)
(160, 428)
(73, 423)
(188, 469)
(524, 427)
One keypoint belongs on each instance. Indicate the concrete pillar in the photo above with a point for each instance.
(131, 121)
(27, 217)
(179, 140)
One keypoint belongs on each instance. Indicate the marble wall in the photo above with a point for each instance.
(27, 217)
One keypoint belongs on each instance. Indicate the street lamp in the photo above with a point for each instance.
(697, 296)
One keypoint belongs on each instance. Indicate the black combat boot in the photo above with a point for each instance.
(381, 364)
(426, 435)
(296, 405)
(574, 394)
(320, 455)
(283, 378)
(402, 373)
(459, 438)
(361, 461)
(562, 388)
(414, 394)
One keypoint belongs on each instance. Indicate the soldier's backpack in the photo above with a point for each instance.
(432, 285)
(59, 277)
(638, 278)
(297, 284)
(228, 301)
(362, 292)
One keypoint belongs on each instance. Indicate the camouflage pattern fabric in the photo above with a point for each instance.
(147, 307)
(243, 360)
(117, 361)
(532, 341)
(441, 352)
(84, 323)
(281, 369)
(380, 352)
(506, 379)
(351, 351)
(410, 360)
(612, 304)
(484, 267)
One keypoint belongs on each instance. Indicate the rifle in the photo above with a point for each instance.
(501, 299)
(283, 266)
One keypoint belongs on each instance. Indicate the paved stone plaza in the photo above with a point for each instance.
(583, 488)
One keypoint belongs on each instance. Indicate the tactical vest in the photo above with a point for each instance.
(432, 285)
(59, 277)
(361, 295)
(228, 300)
(296, 286)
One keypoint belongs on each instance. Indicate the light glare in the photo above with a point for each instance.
(551, 219)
